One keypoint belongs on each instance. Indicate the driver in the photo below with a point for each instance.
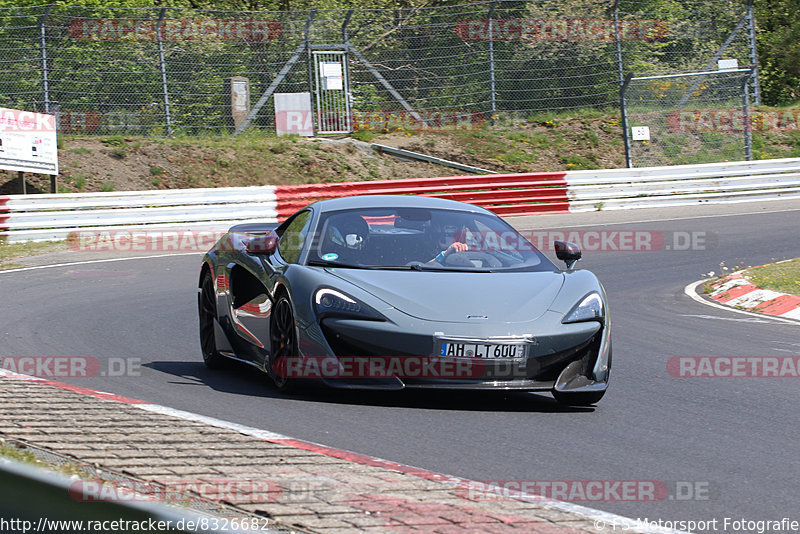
(450, 245)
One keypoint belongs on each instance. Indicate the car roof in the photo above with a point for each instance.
(395, 201)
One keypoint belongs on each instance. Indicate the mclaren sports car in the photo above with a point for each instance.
(392, 292)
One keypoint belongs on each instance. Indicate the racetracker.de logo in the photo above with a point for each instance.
(174, 30)
(148, 241)
(312, 367)
(70, 366)
(565, 490)
(299, 120)
(734, 366)
(560, 30)
(733, 120)
(229, 490)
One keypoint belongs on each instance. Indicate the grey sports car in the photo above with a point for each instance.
(393, 292)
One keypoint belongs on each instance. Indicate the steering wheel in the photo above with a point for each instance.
(465, 259)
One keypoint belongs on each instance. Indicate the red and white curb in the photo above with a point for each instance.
(737, 291)
(602, 520)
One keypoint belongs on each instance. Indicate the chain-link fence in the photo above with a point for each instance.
(160, 71)
(687, 118)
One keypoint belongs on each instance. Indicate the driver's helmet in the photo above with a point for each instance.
(347, 231)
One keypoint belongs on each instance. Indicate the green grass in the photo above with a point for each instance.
(363, 135)
(80, 182)
(20, 250)
(114, 140)
(118, 153)
(21, 455)
(783, 277)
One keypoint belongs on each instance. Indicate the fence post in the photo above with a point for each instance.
(751, 30)
(165, 92)
(43, 48)
(617, 39)
(748, 125)
(624, 112)
(492, 86)
(310, 64)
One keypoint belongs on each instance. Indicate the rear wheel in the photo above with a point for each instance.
(578, 399)
(207, 311)
(283, 344)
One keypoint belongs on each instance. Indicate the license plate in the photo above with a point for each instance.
(489, 351)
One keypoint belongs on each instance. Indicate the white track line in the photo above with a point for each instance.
(691, 291)
(87, 262)
(643, 221)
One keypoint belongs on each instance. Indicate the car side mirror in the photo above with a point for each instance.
(257, 243)
(567, 252)
(262, 243)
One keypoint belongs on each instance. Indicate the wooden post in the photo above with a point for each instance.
(21, 176)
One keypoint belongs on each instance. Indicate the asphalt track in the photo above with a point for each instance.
(733, 440)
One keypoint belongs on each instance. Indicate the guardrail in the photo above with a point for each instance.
(51, 217)
(35, 500)
(683, 184)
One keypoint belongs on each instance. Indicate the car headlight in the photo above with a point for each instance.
(590, 308)
(329, 301)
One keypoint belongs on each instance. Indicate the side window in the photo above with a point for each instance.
(294, 237)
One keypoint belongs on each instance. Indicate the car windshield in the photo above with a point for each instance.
(422, 239)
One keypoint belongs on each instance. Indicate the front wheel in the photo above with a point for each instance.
(207, 311)
(578, 399)
(283, 344)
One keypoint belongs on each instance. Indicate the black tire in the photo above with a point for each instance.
(578, 399)
(207, 312)
(283, 344)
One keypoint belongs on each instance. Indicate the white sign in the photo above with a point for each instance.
(332, 76)
(293, 114)
(333, 83)
(28, 142)
(728, 64)
(640, 133)
(332, 69)
(239, 101)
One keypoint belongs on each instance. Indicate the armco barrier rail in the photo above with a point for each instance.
(35, 500)
(49, 217)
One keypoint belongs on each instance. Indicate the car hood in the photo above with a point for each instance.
(460, 297)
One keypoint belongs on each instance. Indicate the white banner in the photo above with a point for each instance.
(28, 142)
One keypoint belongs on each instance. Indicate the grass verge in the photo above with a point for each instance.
(12, 251)
(783, 276)
(25, 456)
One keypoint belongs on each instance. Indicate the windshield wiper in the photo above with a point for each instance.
(325, 263)
(413, 267)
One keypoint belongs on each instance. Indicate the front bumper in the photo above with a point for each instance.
(562, 357)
